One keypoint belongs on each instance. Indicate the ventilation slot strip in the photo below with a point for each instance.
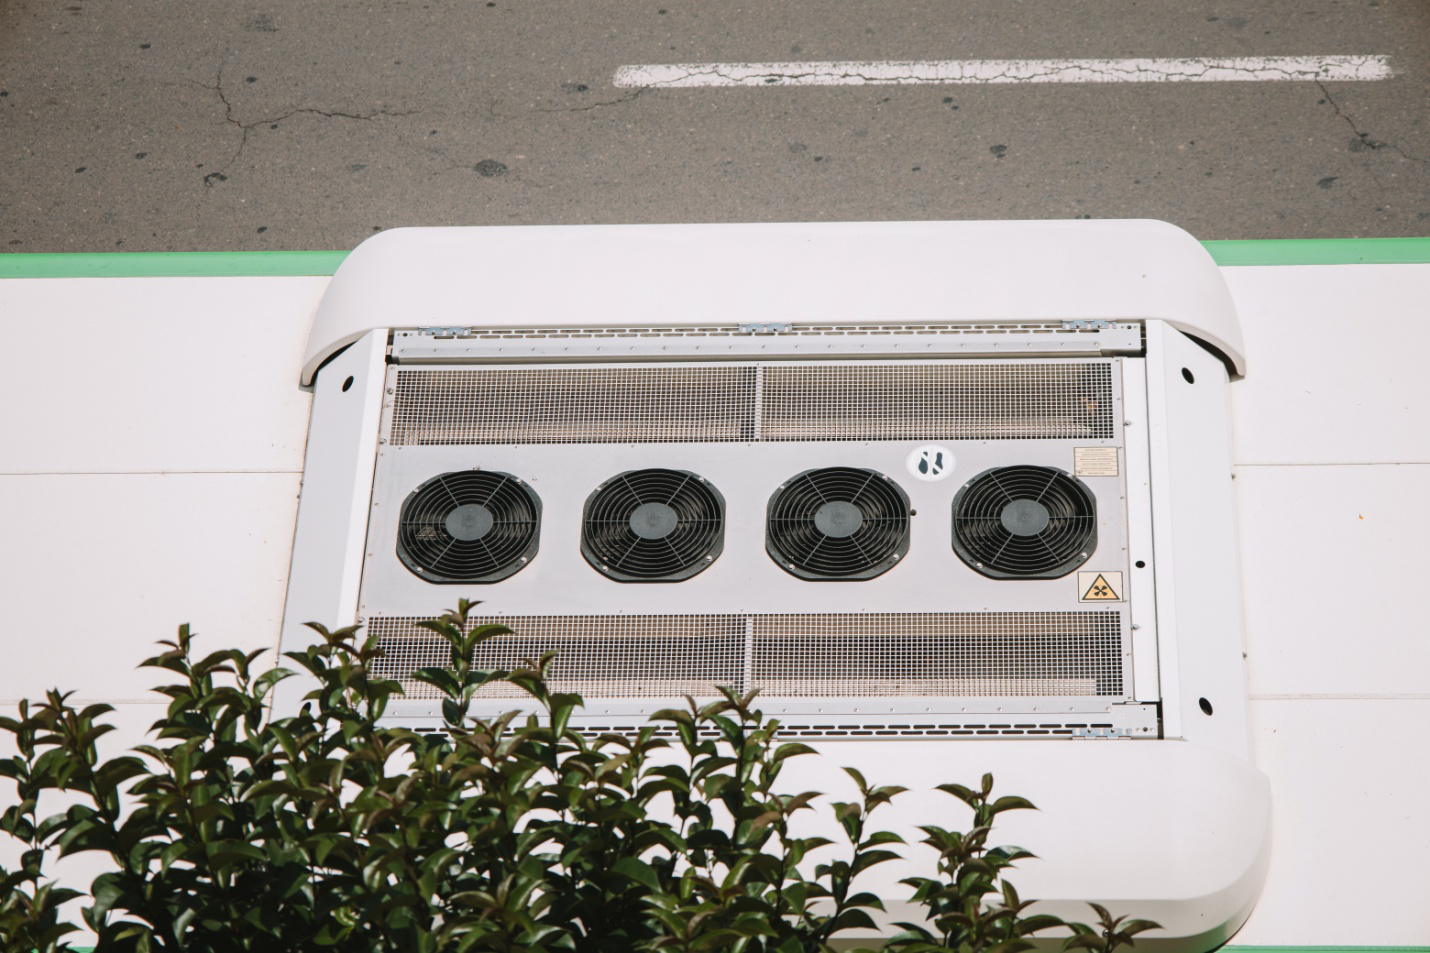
(735, 330)
(877, 655)
(798, 730)
(967, 400)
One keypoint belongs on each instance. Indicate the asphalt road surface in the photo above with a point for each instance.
(206, 125)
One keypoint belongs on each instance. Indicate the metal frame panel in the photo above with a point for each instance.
(455, 345)
(1196, 565)
(1141, 593)
(326, 569)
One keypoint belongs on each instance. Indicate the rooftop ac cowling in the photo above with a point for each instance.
(942, 526)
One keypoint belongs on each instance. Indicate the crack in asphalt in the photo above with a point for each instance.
(217, 87)
(597, 105)
(1372, 144)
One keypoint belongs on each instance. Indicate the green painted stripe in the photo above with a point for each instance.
(268, 264)
(1322, 251)
(199, 264)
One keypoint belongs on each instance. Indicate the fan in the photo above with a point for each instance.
(838, 523)
(653, 525)
(469, 526)
(1024, 522)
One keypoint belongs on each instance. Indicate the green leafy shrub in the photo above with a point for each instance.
(237, 831)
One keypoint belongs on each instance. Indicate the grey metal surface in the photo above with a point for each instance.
(744, 579)
(930, 578)
(930, 631)
(152, 125)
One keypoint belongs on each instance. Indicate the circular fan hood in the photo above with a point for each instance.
(653, 525)
(470, 526)
(838, 523)
(1024, 522)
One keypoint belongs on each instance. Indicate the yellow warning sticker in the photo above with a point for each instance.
(1099, 586)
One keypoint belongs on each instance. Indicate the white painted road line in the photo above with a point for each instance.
(979, 72)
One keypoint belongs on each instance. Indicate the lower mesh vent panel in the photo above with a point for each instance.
(976, 654)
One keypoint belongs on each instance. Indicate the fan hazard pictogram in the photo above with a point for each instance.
(1099, 586)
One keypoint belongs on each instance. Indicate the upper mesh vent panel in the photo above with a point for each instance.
(967, 400)
(949, 401)
(575, 405)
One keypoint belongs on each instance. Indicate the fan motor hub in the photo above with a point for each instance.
(838, 519)
(1025, 517)
(653, 520)
(470, 521)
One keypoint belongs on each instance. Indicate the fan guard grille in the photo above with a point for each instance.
(653, 525)
(469, 526)
(1024, 522)
(838, 523)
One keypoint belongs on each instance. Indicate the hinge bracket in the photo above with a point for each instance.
(1102, 734)
(767, 328)
(445, 332)
(1091, 325)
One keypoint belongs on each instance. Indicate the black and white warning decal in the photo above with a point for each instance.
(1099, 587)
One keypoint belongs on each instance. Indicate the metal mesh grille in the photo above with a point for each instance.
(883, 655)
(597, 656)
(951, 401)
(574, 405)
(954, 654)
(712, 403)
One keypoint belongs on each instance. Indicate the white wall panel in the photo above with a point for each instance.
(1350, 834)
(1336, 358)
(1334, 571)
(149, 374)
(94, 569)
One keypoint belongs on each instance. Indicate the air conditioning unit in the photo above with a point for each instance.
(946, 494)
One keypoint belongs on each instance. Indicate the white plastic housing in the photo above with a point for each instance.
(835, 273)
(1176, 830)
